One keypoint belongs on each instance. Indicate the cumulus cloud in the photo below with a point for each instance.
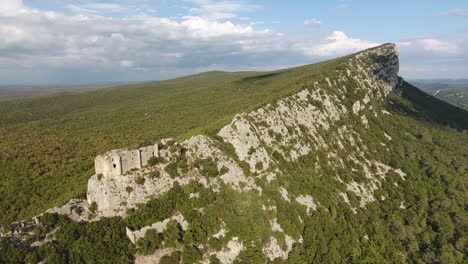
(430, 45)
(46, 46)
(52, 45)
(49, 43)
(433, 57)
(338, 43)
(11, 7)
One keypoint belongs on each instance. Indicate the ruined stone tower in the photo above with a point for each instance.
(117, 162)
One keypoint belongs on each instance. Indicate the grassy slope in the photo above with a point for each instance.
(47, 145)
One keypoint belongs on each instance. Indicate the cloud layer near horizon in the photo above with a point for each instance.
(45, 46)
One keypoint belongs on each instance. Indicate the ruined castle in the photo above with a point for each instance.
(119, 161)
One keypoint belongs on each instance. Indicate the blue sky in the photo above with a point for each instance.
(88, 41)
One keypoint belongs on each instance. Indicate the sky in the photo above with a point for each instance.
(49, 42)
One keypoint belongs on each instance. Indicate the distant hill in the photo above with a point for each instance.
(10, 92)
(454, 91)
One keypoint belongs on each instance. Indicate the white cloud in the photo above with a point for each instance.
(338, 43)
(10, 7)
(435, 45)
(462, 12)
(419, 69)
(96, 8)
(312, 22)
(46, 46)
(433, 58)
(51, 44)
(431, 45)
(225, 9)
(127, 63)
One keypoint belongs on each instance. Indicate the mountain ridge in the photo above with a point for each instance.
(327, 157)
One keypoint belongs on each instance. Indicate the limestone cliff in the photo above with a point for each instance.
(318, 119)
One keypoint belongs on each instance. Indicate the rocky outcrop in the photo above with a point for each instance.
(159, 227)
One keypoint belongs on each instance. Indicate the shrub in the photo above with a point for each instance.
(214, 260)
(215, 244)
(150, 242)
(191, 255)
(93, 207)
(154, 174)
(172, 259)
(245, 167)
(259, 165)
(251, 151)
(171, 169)
(173, 233)
(99, 176)
(48, 221)
(223, 170)
(129, 189)
(208, 167)
(153, 161)
(140, 180)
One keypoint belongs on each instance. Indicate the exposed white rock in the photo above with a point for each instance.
(365, 122)
(159, 227)
(76, 209)
(402, 205)
(308, 201)
(114, 195)
(48, 238)
(366, 194)
(273, 250)
(345, 197)
(154, 258)
(284, 193)
(356, 107)
(387, 136)
(222, 232)
(194, 195)
(401, 173)
(230, 253)
(203, 147)
(275, 227)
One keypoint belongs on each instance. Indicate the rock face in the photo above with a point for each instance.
(304, 122)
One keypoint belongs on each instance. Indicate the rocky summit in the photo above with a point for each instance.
(345, 165)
